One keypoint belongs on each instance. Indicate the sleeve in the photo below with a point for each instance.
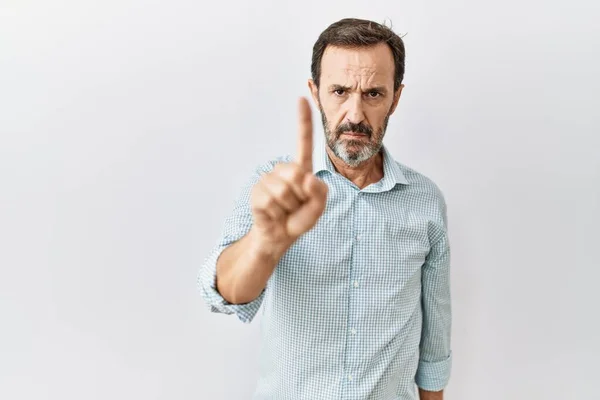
(435, 361)
(236, 226)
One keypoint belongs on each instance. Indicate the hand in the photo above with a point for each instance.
(288, 201)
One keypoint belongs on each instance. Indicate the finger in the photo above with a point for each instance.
(317, 190)
(264, 203)
(306, 217)
(305, 135)
(293, 174)
(281, 192)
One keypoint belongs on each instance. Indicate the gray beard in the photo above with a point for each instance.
(355, 157)
(353, 152)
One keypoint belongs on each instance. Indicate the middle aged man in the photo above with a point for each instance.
(345, 249)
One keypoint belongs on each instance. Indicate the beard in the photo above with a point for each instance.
(353, 152)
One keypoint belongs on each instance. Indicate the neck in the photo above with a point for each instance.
(362, 175)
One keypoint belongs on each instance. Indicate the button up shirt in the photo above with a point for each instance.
(359, 306)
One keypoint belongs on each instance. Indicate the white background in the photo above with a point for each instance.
(127, 129)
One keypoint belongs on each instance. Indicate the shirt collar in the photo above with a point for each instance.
(392, 174)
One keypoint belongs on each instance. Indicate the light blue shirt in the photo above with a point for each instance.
(359, 307)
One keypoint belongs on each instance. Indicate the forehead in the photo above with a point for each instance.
(374, 63)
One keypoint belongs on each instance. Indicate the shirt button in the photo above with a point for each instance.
(357, 237)
(349, 377)
(355, 283)
(353, 331)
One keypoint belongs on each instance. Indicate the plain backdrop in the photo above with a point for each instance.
(127, 129)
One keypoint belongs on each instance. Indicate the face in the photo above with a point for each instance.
(356, 98)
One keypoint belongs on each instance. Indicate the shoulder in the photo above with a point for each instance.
(268, 164)
(425, 194)
(421, 183)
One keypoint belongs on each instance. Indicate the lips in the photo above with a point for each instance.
(354, 134)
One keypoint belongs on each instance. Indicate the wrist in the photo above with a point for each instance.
(266, 249)
(427, 395)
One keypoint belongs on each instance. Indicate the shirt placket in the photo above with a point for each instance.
(355, 286)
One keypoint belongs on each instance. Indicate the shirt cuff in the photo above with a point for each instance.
(434, 376)
(217, 304)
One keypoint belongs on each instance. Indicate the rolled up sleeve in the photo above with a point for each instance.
(236, 226)
(215, 301)
(435, 364)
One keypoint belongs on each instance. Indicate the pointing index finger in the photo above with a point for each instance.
(305, 135)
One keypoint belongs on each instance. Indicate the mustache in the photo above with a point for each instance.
(352, 127)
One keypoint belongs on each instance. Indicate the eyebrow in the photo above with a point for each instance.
(380, 89)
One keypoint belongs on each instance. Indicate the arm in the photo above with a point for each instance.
(244, 268)
(230, 246)
(234, 276)
(281, 202)
(285, 203)
(435, 360)
(426, 395)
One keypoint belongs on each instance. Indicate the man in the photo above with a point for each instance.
(345, 249)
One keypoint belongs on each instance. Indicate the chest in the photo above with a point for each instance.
(379, 238)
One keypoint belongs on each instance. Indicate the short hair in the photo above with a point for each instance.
(353, 33)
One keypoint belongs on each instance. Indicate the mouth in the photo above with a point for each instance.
(353, 134)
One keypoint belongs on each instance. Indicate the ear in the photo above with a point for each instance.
(314, 91)
(397, 94)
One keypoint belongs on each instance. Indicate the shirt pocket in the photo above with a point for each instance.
(320, 258)
(399, 250)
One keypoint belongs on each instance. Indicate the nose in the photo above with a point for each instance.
(355, 112)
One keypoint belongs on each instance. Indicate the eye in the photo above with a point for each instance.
(339, 92)
(373, 94)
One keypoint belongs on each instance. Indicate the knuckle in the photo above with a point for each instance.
(256, 192)
(282, 192)
(270, 202)
(283, 169)
(297, 173)
(280, 171)
(261, 203)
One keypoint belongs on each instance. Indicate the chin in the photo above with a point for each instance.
(352, 157)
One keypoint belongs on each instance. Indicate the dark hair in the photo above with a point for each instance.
(352, 33)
